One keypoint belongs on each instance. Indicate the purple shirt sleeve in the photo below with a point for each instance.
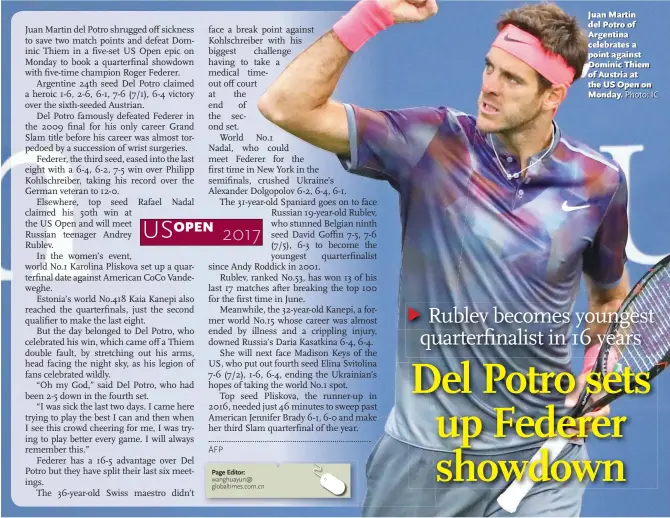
(605, 258)
(388, 144)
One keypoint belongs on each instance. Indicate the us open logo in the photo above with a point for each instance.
(167, 227)
(201, 232)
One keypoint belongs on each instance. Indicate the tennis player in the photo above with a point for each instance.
(500, 212)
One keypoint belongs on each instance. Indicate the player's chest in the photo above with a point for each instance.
(535, 225)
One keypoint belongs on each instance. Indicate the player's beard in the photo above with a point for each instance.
(520, 121)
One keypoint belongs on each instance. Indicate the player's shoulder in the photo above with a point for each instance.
(594, 165)
(451, 120)
(462, 119)
(451, 114)
(423, 115)
(419, 125)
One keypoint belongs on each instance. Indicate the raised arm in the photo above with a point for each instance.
(299, 100)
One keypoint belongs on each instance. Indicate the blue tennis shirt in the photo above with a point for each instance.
(476, 238)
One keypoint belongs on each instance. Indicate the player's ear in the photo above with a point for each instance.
(554, 96)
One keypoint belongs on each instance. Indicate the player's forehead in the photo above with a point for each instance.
(505, 62)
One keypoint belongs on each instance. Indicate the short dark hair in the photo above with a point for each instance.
(558, 32)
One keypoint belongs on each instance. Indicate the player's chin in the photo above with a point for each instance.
(486, 124)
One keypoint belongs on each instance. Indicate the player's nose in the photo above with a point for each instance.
(491, 84)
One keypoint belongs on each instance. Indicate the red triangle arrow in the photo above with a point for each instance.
(412, 314)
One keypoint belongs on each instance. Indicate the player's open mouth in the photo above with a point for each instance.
(487, 108)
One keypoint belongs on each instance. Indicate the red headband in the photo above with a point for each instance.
(528, 49)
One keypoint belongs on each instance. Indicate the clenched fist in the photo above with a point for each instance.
(409, 10)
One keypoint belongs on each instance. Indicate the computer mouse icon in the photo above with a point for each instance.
(333, 484)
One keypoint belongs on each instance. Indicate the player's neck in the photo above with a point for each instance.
(529, 140)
